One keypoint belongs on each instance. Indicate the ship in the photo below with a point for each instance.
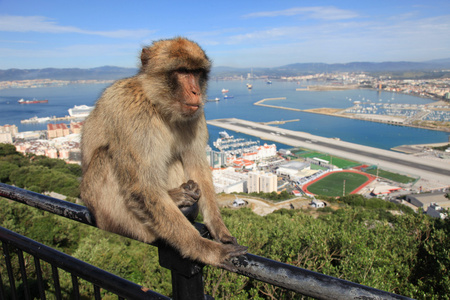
(225, 135)
(35, 119)
(34, 101)
(224, 91)
(80, 111)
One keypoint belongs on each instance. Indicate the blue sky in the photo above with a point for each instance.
(85, 34)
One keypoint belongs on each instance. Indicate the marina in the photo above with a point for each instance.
(231, 145)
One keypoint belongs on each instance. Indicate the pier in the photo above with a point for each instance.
(260, 103)
(279, 122)
(51, 119)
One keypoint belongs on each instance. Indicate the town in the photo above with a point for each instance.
(246, 166)
(241, 166)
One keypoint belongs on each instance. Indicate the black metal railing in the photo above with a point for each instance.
(186, 275)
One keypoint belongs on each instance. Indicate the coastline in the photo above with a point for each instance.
(335, 112)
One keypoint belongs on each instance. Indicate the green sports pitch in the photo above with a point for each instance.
(332, 185)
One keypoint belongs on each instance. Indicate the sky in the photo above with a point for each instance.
(94, 33)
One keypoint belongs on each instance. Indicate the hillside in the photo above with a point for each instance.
(111, 72)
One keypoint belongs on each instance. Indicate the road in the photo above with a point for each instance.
(435, 170)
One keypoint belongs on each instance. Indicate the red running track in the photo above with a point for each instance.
(370, 178)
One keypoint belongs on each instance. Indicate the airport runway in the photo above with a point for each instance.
(436, 170)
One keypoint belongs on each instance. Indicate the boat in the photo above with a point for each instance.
(249, 86)
(224, 91)
(80, 111)
(225, 135)
(227, 97)
(269, 82)
(34, 101)
(35, 119)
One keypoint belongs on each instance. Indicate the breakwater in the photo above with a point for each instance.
(279, 122)
(261, 103)
(329, 87)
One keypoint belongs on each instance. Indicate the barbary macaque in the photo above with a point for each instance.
(143, 155)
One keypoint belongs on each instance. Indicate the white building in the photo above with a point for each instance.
(261, 152)
(266, 151)
(262, 182)
(435, 211)
(292, 168)
(317, 203)
(229, 181)
(268, 183)
(253, 182)
(6, 137)
(9, 129)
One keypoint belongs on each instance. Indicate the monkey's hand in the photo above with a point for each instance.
(186, 194)
(229, 251)
(220, 232)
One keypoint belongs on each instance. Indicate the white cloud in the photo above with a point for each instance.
(45, 25)
(316, 12)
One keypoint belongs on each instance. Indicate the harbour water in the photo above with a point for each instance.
(241, 106)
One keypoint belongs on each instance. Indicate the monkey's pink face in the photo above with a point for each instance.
(190, 97)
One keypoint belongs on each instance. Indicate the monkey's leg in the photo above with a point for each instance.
(186, 194)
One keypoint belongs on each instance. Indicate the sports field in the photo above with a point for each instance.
(332, 184)
(334, 160)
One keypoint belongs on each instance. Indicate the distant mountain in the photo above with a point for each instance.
(313, 68)
(400, 66)
(109, 72)
(101, 73)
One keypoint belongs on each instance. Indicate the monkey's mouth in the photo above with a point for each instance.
(191, 107)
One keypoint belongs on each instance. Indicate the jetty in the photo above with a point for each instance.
(260, 103)
(279, 122)
(330, 87)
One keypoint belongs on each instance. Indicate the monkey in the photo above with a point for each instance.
(143, 155)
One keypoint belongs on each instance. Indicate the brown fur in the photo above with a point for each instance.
(143, 155)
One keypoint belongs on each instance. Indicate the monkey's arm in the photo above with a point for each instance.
(147, 198)
(197, 169)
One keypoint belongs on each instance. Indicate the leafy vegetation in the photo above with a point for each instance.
(442, 148)
(38, 173)
(405, 254)
(274, 196)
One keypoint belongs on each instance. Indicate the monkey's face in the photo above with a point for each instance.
(189, 89)
(178, 71)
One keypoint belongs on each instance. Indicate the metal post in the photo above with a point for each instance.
(187, 275)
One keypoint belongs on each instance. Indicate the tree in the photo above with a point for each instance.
(7, 149)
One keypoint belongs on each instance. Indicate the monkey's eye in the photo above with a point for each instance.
(183, 71)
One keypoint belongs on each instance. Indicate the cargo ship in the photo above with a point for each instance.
(34, 101)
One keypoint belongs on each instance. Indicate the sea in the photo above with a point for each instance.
(240, 104)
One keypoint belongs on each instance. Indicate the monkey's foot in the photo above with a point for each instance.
(186, 195)
(229, 251)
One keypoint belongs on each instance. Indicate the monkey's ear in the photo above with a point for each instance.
(145, 56)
